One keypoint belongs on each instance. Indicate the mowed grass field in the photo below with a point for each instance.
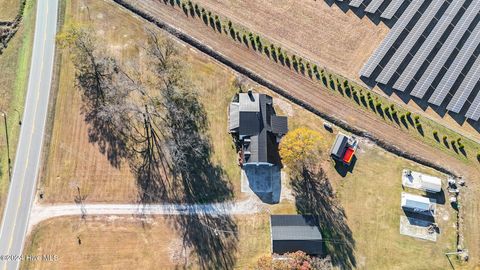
(9, 9)
(73, 161)
(129, 243)
(370, 194)
(14, 69)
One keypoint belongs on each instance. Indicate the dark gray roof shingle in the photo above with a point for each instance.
(291, 233)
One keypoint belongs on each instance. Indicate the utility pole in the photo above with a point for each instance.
(79, 200)
(19, 117)
(8, 145)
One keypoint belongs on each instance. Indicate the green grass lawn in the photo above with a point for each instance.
(370, 196)
(14, 69)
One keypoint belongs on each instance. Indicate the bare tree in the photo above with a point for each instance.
(105, 91)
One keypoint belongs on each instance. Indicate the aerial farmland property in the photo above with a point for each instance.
(207, 134)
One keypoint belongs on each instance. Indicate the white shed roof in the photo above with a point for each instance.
(421, 181)
(431, 183)
(416, 203)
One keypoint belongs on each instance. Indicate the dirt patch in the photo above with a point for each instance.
(313, 29)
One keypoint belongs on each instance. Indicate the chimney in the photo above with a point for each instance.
(250, 95)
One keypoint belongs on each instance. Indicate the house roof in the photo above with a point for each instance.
(258, 122)
(250, 123)
(249, 102)
(279, 124)
(295, 227)
(339, 147)
(233, 116)
(291, 233)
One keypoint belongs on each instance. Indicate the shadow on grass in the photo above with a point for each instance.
(212, 238)
(175, 166)
(105, 135)
(314, 195)
(343, 169)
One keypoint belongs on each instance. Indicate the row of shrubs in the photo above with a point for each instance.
(360, 95)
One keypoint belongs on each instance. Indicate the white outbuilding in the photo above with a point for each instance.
(421, 181)
(417, 204)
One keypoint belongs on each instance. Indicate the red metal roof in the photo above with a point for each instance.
(347, 157)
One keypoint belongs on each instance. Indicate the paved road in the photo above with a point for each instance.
(23, 183)
(43, 212)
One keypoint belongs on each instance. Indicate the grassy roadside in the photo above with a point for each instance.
(14, 70)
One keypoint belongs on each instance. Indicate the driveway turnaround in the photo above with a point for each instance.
(23, 183)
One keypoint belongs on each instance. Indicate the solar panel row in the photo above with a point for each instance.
(428, 45)
(456, 67)
(391, 9)
(466, 88)
(390, 39)
(355, 3)
(408, 43)
(373, 6)
(445, 51)
(474, 110)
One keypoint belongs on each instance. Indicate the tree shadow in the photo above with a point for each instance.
(314, 195)
(176, 167)
(105, 135)
(343, 169)
(212, 238)
(105, 89)
(163, 134)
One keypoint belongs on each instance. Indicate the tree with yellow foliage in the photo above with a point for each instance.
(300, 148)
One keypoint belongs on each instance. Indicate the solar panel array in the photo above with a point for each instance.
(433, 45)
(427, 46)
(466, 88)
(373, 6)
(409, 42)
(392, 36)
(446, 50)
(391, 9)
(455, 69)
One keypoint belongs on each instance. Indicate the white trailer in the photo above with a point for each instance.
(421, 181)
(417, 204)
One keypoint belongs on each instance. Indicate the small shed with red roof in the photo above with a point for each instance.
(344, 148)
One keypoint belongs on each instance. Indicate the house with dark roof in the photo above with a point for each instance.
(253, 119)
(291, 233)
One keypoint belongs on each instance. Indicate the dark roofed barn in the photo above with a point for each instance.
(291, 233)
